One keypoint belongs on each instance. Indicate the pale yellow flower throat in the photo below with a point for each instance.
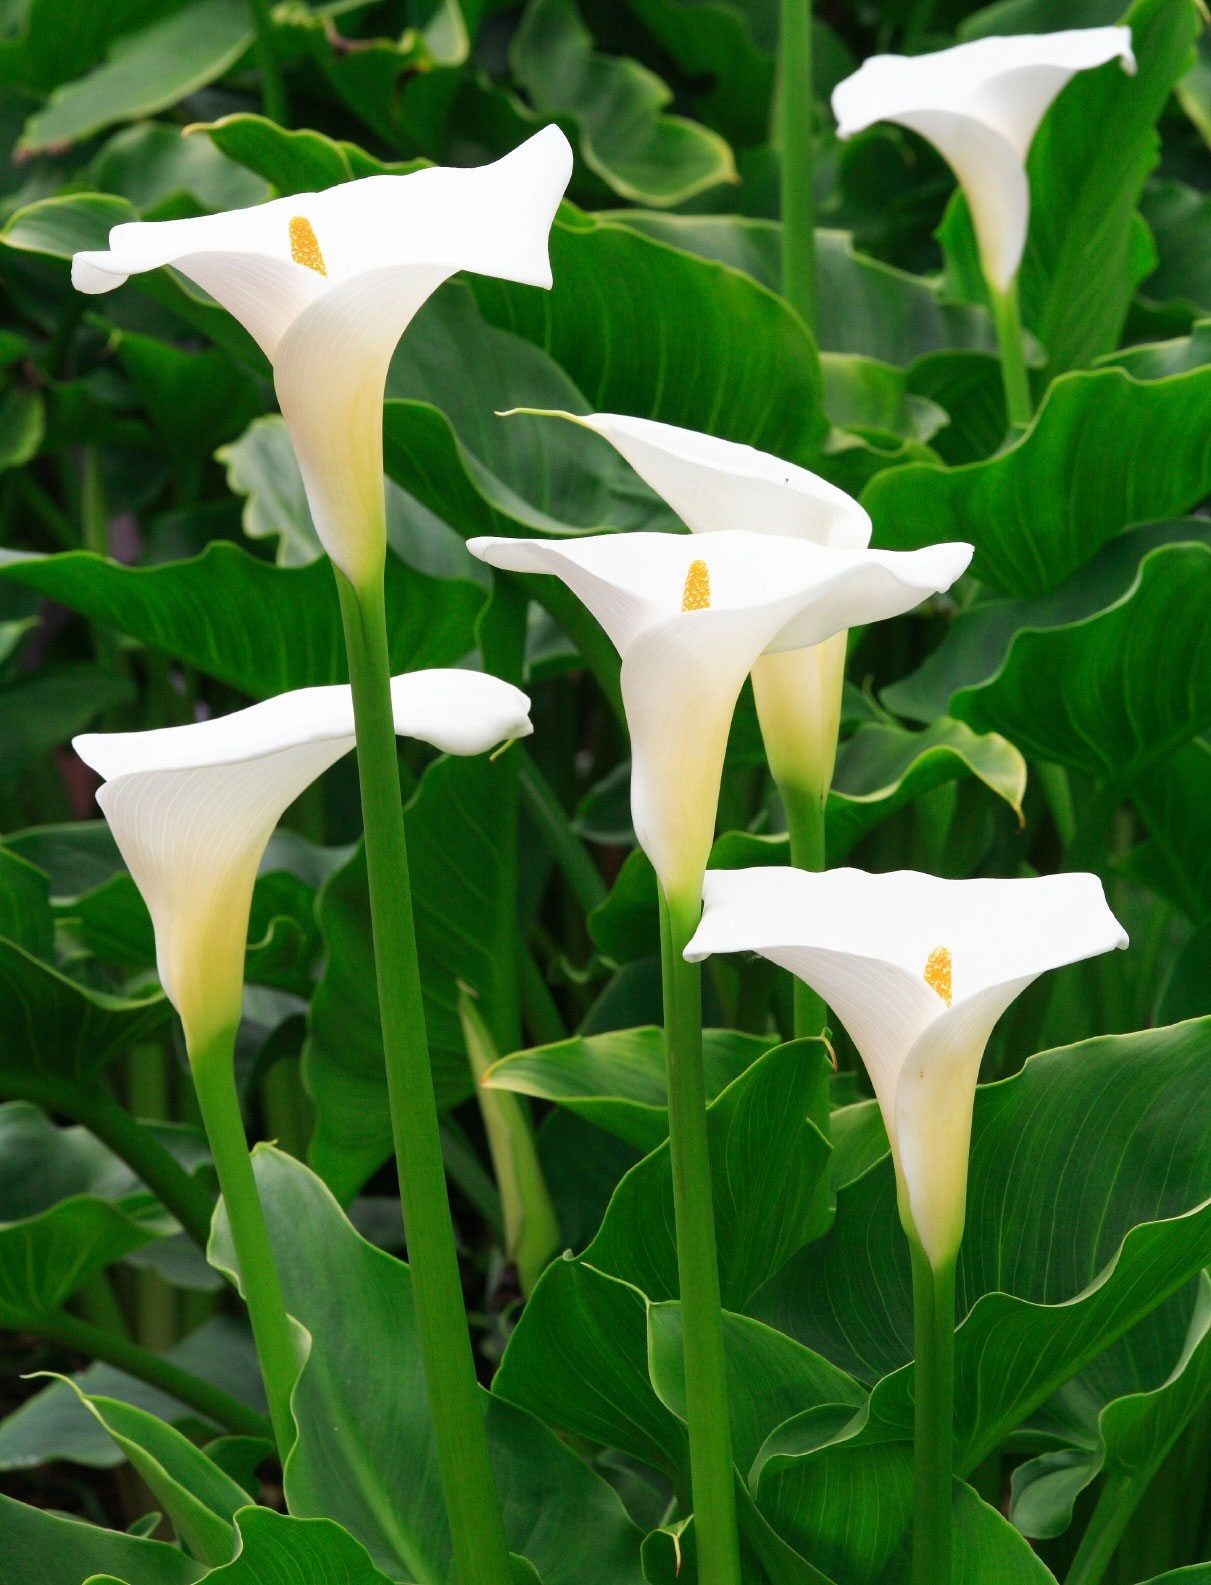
(305, 246)
(697, 595)
(938, 973)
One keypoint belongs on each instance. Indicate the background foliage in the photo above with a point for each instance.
(160, 563)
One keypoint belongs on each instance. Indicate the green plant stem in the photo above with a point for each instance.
(135, 1144)
(98, 1343)
(565, 847)
(1007, 316)
(711, 1471)
(468, 1486)
(273, 90)
(796, 101)
(214, 1079)
(805, 827)
(933, 1326)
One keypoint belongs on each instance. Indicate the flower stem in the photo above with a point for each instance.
(273, 89)
(711, 1471)
(468, 1486)
(933, 1316)
(796, 101)
(805, 827)
(1007, 315)
(100, 1343)
(214, 1078)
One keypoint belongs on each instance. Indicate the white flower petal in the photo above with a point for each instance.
(192, 808)
(493, 219)
(716, 485)
(798, 694)
(980, 105)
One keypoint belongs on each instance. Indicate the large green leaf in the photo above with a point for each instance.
(616, 106)
(1106, 451)
(199, 1498)
(619, 1080)
(1117, 692)
(1128, 1437)
(39, 1548)
(465, 907)
(364, 1453)
(145, 72)
(197, 612)
(279, 1549)
(68, 1209)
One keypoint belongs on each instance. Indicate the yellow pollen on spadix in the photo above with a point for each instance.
(697, 595)
(938, 973)
(304, 245)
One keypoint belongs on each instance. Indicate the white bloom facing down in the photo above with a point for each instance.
(919, 970)
(689, 618)
(193, 807)
(328, 282)
(715, 485)
(980, 105)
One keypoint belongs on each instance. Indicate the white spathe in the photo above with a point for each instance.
(864, 943)
(980, 105)
(683, 670)
(193, 807)
(714, 485)
(328, 282)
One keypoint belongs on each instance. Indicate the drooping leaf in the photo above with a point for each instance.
(51, 1550)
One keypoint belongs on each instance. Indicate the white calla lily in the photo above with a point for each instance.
(327, 283)
(715, 485)
(919, 970)
(980, 105)
(193, 807)
(689, 619)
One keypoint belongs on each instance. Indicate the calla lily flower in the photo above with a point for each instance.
(193, 807)
(328, 282)
(715, 485)
(980, 105)
(689, 618)
(919, 970)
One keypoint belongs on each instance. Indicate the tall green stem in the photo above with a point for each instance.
(933, 1294)
(805, 827)
(1008, 318)
(472, 1504)
(218, 1100)
(711, 1471)
(100, 1343)
(273, 89)
(795, 115)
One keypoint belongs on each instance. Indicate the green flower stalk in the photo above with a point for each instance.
(980, 105)
(918, 970)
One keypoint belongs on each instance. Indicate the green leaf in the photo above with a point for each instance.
(364, 1454)
(154, 166)
(25, 916)
(196, 611)
(1117, 692)
(616, 107)
(53, 1424)
(68, 1209)
(1180, 217)
(145, 72)
(629, 319)
(874, 309)
(618, 1080)
(1132, 1435)
(1105, 451)
(1109, 1136)
(1172, 799)
(197, 1496)
(39, 1548)
(465, 906)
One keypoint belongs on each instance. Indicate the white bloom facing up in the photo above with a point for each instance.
(193, 807)
(919, 970)
(980, 105)
(715, 485)
(689, 618)
(328, 282)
